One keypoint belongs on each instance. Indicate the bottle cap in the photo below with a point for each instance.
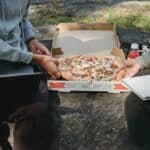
(135, 46)
(133, 54)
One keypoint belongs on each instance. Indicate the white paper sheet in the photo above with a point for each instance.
(140, 86)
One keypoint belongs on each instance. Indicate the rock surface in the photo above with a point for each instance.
(93, 121)
(74, 7)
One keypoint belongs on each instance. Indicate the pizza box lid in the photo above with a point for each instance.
(84, 39)
(87, 39)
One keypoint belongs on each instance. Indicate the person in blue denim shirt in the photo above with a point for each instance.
(16, 33)
(18, 45)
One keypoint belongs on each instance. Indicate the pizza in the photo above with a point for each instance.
(90, 68)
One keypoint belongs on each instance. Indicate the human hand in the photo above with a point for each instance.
(28, 111)
(120, 74)
(38, 48)
(49, 64)
(130, 69)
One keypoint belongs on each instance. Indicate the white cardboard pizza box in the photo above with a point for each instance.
(87, 39)
(100, 86)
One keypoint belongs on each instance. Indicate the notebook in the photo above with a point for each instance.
(139, 85)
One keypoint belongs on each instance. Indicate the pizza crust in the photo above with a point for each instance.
(68, 76)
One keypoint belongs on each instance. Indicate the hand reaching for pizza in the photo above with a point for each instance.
(38, 48)
(50, 65)
(130, 69)
(120, 74)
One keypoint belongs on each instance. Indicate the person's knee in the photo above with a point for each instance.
(23, 131)
(38, 131)
(133, 108)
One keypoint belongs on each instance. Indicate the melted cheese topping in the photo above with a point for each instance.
(91, 68)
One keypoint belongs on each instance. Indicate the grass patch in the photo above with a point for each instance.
(146, 8)
(122, 17)
(134, 19)
(57, 20)
(48, 20)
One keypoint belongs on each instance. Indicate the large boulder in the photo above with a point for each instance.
(63, 7)
(71, 7)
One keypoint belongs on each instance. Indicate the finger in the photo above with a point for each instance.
(39, 52)
(120, 75)
(130, 74)
(130, 63)
(56, 63)
(45, 50)
(57, 74)
(50, 54)
(122, 67)
(53, 77)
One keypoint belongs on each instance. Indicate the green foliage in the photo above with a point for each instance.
(47, 20)
(146, 8)
(144, 23)
(130, 19)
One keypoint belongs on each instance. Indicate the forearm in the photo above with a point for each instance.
(144, 60)
(10, 53)
(48, 64)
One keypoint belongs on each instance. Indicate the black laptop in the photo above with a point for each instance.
(18, 86)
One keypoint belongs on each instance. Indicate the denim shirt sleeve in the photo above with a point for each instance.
(27, 26)
(10, 53)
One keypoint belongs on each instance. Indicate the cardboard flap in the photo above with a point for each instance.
(79, 39)
(62, 27)
(118, 53)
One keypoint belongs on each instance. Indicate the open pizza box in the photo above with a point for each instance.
(87, 39)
